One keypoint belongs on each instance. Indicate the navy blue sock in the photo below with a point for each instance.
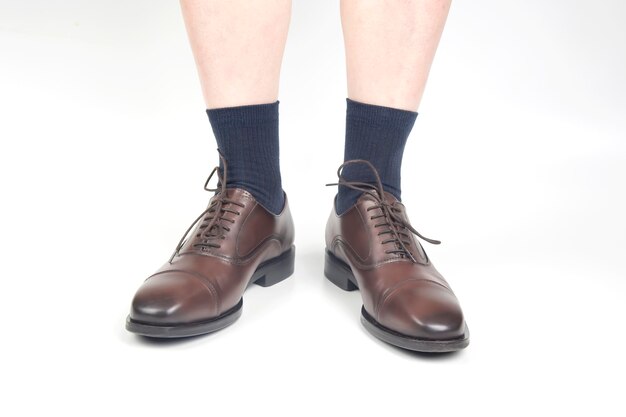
(247, 137)
(377, 134)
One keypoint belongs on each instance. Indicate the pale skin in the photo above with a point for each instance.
(238, 47)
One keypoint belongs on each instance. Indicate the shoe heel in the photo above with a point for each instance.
(275, 270)
(339, 273)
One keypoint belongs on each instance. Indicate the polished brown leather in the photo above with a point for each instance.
(208, 274)
(401, 288)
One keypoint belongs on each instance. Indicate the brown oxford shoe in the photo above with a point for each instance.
(373, 247)
(235, 242)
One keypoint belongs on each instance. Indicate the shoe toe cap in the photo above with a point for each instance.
(423, 309)
(173, 298)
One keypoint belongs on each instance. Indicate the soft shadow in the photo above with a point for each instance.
(166, 342)
(133, 339)
(310, 263)
(313, 262)
(429, 356)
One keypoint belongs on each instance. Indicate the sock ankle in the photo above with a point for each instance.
(247, 137)
(377, 134)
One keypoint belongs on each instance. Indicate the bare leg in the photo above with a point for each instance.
(238, 47)
(390, 46)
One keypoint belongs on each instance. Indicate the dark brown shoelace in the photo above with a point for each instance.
(212, 229)
(390, 214)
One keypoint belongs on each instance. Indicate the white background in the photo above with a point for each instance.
(517, 163)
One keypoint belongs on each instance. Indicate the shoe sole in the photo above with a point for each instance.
(339, 273)
(267, 274)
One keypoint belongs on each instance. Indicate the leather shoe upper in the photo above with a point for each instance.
(209, 271)
(400, 286)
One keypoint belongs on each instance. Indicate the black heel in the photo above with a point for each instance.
(275, 270)
(339, 273)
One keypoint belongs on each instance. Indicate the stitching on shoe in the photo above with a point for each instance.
(393, 289)
(203, 280)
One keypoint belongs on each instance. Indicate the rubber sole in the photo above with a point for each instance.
(339, 273)
(267, 274)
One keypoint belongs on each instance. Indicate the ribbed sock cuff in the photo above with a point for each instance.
(381, 116)
(245, 116)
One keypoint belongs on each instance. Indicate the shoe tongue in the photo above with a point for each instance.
(237, 194)
(389, 198)
(234, 193)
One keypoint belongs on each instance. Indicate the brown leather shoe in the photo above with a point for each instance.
(406, 301)
(235, 242)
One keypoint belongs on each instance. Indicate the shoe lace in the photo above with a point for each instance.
(390, 214)
(212, 229)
